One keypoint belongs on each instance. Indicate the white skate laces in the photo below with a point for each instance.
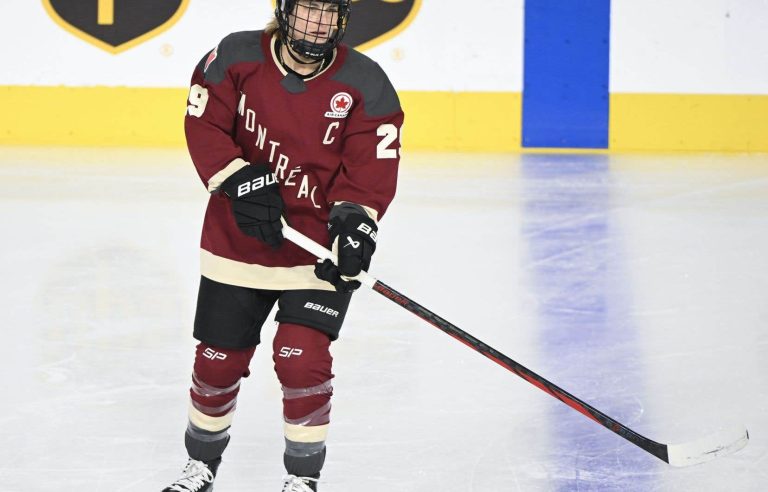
(292, 483)
(194, 477)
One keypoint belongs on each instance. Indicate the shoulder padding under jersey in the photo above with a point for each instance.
(244, 46)
(365, 75)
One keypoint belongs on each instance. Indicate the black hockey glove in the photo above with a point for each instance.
(353, 236)
(256, 203)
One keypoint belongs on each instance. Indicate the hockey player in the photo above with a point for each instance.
(283, 123)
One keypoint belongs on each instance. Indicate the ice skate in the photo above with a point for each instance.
(197, 476)
(292, 483)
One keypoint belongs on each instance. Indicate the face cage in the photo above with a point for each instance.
(301, 41)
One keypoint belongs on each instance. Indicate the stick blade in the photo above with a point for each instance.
(721, 443)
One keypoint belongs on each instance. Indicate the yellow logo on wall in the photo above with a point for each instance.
(375, 21)
(115, 25)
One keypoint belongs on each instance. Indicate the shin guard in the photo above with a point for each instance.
(213, 398)
(303, 366)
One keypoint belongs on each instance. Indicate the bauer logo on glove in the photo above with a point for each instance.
(367, 229)
(353, 237)
(256, 184)
(256, 203)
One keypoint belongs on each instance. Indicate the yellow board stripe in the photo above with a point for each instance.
(151, 117)
(100, 116)
(461, 121)
(690, 122)
(438, 121)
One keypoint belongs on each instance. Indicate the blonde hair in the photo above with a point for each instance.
(272, 27)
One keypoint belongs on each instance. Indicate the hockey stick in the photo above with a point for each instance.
(719, 444)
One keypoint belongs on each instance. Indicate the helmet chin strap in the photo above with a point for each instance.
(296, 58)
(321, 63)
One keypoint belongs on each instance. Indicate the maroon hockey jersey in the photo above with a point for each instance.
(332, 138)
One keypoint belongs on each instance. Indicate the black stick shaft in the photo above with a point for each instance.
(652, 447)
(661, 451)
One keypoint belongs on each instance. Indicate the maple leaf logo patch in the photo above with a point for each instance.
(341, 103)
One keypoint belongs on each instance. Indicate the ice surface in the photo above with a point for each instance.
(639, 283)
